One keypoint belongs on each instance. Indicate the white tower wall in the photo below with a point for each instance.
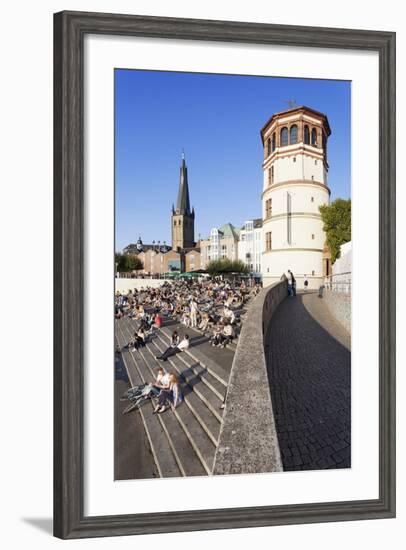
(295, 186)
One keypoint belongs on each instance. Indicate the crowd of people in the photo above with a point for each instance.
(212, 307)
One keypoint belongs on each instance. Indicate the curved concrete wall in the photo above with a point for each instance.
(123, 284)
(339, 305)
(248, 442)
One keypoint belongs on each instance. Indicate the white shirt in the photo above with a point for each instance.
(184, 344)
(163, 379)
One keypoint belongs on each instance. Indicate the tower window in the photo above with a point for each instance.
(268, 147)
(273, 144)
(174, 223)
(270, 175)
(293, 134)
(268, 241)
(306, 135)
(312, 199)
(294, 159)
(315, 162)
(314, 137)
(268, 208)
(312, 178)
(313, 272)
(284, 137)
(313, 236)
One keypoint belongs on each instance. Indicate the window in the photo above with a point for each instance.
(293, 134)
(313, 236)
(312, 199)
(312, 178)
(268, 241)
(294, 159)
(273, 144)
(174, 223)
(284, 136)
(314, 137)
(270, 175)
(313, 272)
(306, 135)
(268, 147)
(268, 208)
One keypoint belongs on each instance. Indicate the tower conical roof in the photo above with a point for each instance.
(183, 202)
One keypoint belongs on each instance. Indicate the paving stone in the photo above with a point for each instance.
(309, 370)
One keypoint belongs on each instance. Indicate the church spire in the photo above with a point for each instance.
(183, 202)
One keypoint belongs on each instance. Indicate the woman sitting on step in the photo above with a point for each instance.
(173, 395)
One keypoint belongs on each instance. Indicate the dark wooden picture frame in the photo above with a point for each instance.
(69, 31)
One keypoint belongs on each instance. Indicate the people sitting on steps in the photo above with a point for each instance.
(171, 396)
(173, 350)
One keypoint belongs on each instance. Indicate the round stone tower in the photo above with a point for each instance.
(295, 185)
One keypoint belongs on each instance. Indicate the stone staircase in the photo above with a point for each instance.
(183, 443)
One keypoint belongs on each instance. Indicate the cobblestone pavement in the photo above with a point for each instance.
(309, 370)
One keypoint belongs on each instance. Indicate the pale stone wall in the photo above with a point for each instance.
(339, 305)
(124, 284)
(248, 443)
(301, 198)
(344, 263)
(306, 232)
(304, 167)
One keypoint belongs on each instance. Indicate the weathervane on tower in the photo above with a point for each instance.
(291, 103)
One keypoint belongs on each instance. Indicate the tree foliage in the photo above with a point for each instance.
(225, 265)
(337, 225)
(127, 262)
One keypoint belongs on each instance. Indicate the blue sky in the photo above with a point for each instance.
(216, 119)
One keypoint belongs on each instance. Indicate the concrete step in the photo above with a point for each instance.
(188, 460)
(215, 377)
(162, 452)
(209, 422)
(209, 398)
(203, 445)
(192, 447)
(207, 378)
(213, 368)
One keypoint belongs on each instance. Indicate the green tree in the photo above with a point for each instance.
(127, 262)
(134, 263)
(225, 265)
(337, 225)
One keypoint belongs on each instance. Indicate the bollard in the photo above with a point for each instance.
(321, 289)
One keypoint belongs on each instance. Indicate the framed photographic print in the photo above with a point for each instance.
(224, 274)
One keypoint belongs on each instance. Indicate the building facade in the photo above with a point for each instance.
(222, 243)
(295, 171)
(250, 246)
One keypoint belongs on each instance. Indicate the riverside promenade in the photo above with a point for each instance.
(286, 385)
(308, 356)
